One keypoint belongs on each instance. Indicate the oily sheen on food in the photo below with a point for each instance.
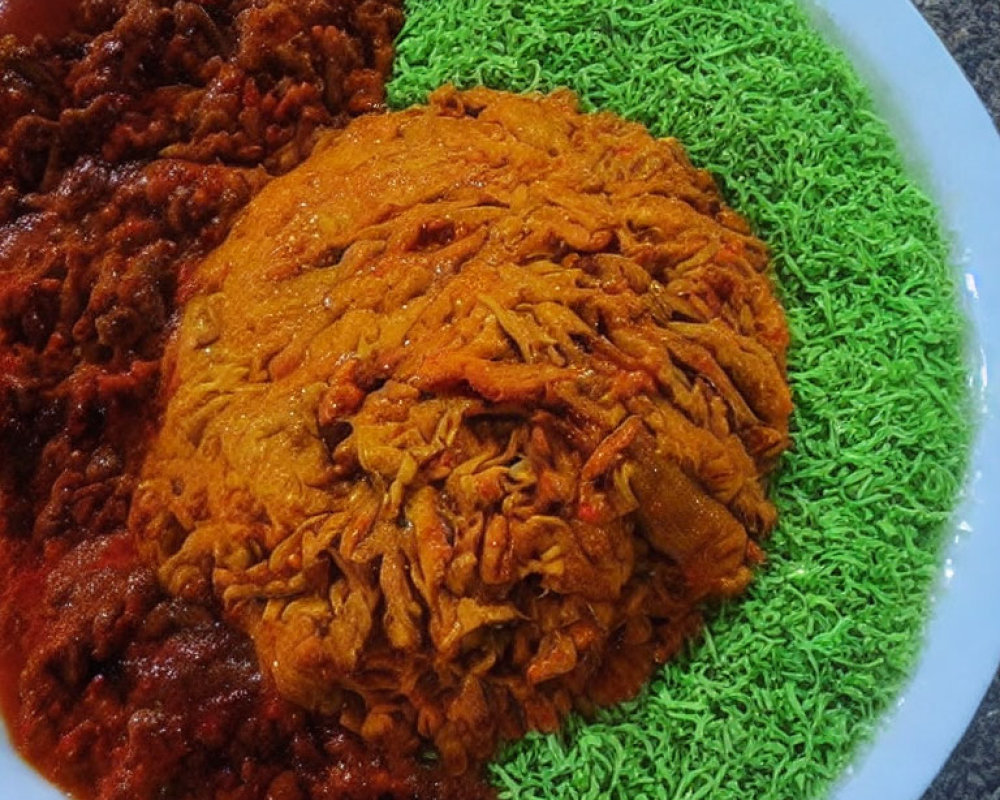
(469, 417)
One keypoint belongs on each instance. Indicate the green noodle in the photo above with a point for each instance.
(775, 698)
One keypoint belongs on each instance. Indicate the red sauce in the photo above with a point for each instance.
(111, 689)
(27, 19)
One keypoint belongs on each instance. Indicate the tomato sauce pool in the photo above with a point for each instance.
(27, 19)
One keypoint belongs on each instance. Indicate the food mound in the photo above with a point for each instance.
(469, 417)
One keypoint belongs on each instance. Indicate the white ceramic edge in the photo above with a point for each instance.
(952, 146)
(950, 138)
(18, 781)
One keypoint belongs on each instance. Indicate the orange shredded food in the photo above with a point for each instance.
(469, 417)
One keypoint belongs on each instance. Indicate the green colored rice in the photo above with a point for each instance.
(773, 701)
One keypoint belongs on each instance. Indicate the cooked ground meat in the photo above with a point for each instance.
(469, 417)
(127, 148)
(125, 152)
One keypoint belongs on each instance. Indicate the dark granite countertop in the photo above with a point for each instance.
(971, 31)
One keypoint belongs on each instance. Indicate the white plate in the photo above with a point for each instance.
(953, 147)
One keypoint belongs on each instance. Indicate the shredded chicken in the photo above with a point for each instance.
(469, 417)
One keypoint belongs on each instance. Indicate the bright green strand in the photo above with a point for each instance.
(775, 698)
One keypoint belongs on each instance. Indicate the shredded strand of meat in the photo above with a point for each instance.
(470, 417)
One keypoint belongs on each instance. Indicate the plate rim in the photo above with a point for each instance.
(904, 64)
(920, 91)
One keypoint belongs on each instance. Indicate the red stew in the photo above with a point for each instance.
(127, 147)
(27, 19)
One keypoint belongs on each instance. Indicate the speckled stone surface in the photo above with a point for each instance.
(971, 31)
(973, 771)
